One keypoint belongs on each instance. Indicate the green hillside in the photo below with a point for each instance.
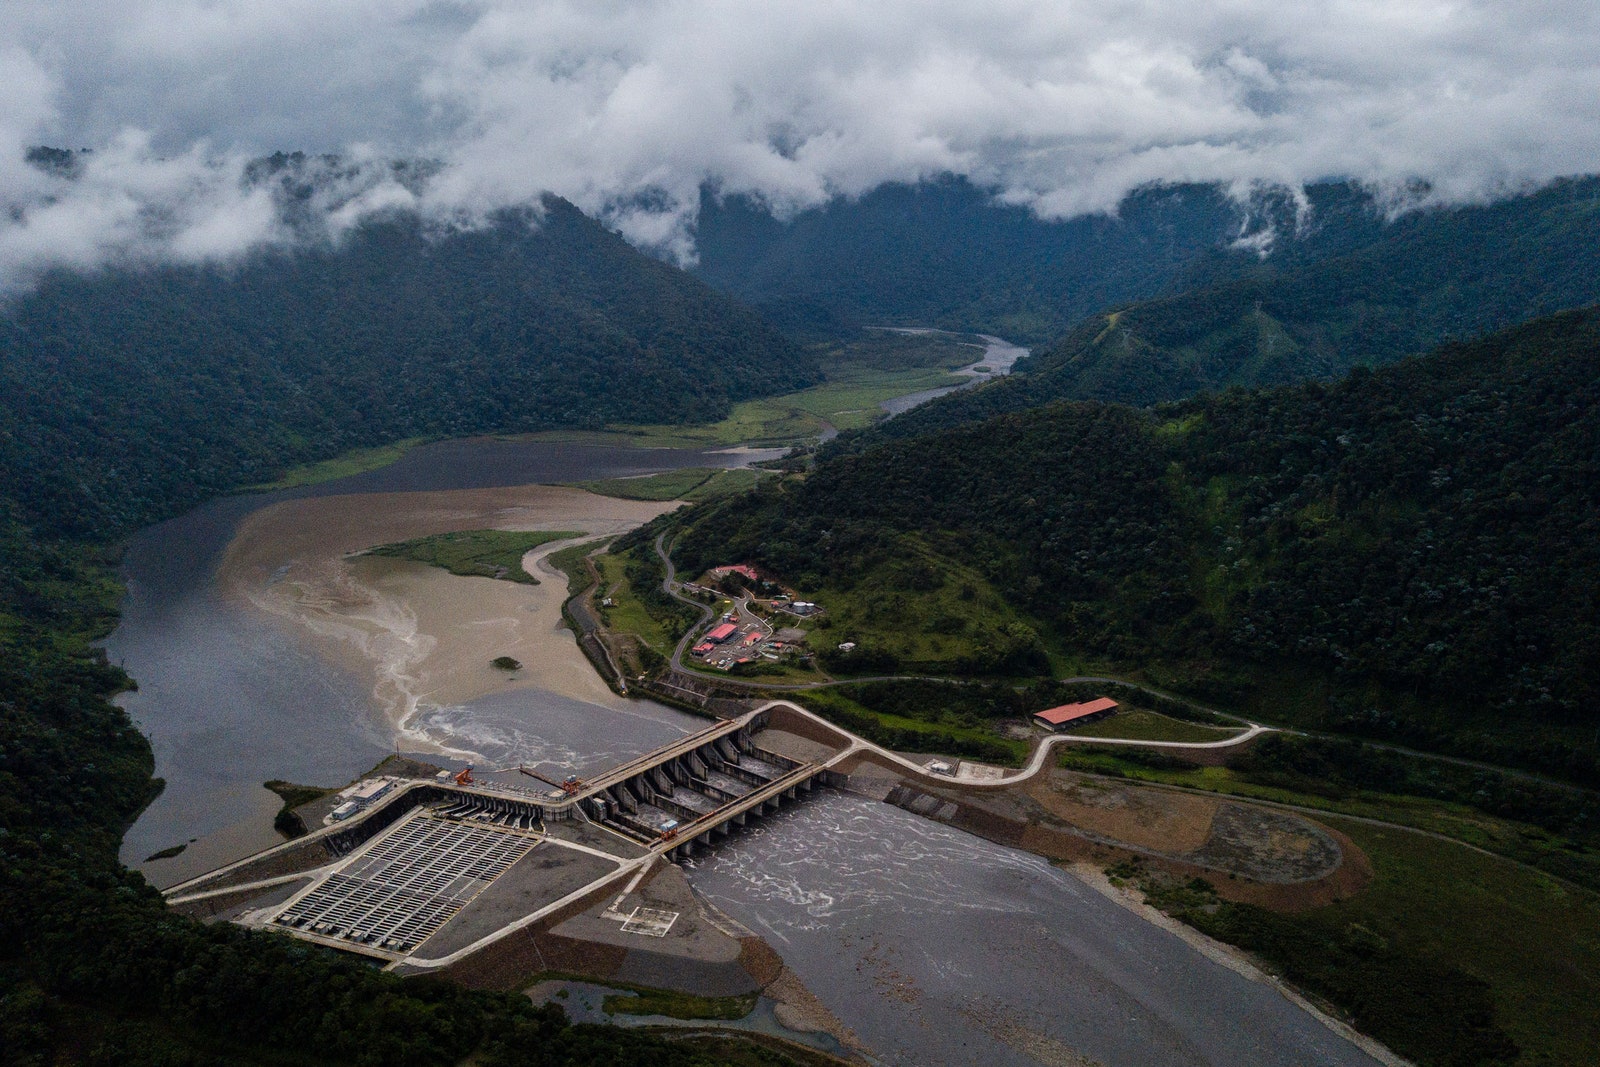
(129, 393)
(1408, 553)
(944, 253)
(1352, 293)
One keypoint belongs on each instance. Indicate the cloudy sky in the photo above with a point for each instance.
(628, 106)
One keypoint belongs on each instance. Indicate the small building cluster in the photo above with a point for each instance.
(1069, 715)
(357, 798)
(714, 637)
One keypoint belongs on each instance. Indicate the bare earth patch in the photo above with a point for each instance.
(1252, 854)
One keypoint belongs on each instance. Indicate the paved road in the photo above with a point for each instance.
(1035, 763)
(671, 587)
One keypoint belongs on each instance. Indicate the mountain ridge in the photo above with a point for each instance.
(1384, 545)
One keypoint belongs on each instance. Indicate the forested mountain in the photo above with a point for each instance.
(1350, 294)
(944, 254)
(131, 393)
(1412, 552)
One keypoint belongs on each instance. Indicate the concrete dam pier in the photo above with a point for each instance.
(438, 869)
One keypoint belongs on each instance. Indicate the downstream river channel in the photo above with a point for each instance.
(933, 946)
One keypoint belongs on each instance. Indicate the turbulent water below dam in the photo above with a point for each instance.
(941, 949)
(933, 946)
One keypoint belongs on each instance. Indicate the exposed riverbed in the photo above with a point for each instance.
(997, 358)
(238, 686)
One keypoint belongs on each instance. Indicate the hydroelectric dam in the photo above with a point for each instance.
(437, 869)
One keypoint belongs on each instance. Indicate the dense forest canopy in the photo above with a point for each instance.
(943, 253)
(1352, 291)
(130, 393)
(1418, 547)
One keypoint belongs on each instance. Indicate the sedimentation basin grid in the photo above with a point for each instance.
(410, 883)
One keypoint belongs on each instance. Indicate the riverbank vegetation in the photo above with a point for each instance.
(686, 483)
(645, 1000)
(355, 461)
(476, 553)
(287, 821)
(1436, 958)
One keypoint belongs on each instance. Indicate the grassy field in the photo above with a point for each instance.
(919, 613)
(476, 553)
(569, 561)
(861, 375)
(1137, 724)
(847, 401)
(687, 483)
(627, 613)
(901, 734)
(357, 461)
(1441, 934)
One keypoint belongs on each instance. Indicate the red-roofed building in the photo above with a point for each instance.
(721, 633)
(1070, 715)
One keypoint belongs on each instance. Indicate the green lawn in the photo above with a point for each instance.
(356, 461)
(1137, 724)
(476, 553)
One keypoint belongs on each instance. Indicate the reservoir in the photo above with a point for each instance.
(935, 947)
(231, 697)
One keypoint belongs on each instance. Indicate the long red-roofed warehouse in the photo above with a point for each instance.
(1068, 715)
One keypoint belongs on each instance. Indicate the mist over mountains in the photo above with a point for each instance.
(629, 110)
(131, 392)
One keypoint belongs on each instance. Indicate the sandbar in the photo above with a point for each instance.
(424, 636)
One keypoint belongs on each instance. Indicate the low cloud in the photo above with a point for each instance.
(629, 108)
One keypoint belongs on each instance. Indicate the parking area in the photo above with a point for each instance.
(397, 893)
